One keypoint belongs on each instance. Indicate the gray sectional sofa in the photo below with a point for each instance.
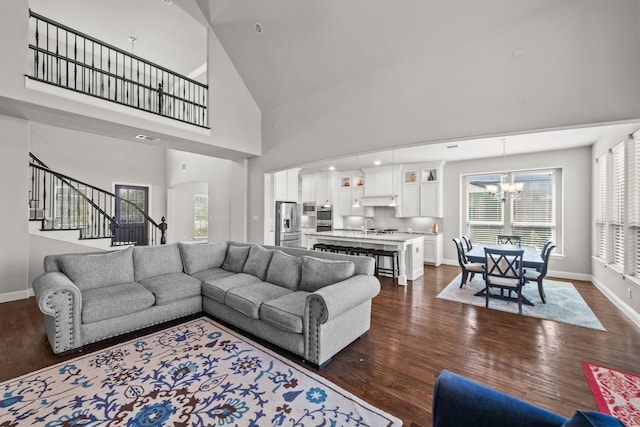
(310, 303)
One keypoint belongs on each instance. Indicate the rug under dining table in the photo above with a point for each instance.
(564, 302)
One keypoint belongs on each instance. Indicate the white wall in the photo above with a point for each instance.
(223, 178)
(181, 210)
(14, 174)
(579, 67)
(610, 282)
(575, 260)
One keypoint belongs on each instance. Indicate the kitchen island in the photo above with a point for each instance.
(409, 247)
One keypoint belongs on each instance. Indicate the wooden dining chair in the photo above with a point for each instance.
(467, 241)
(503, 270)
(508, 240)
(539, 274)
(468, 268)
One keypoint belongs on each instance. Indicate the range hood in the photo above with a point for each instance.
(382, 200)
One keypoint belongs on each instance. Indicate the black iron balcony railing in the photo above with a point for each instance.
(72, 60)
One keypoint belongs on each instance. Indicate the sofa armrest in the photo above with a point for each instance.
(459, 401)
(61, 302)
(333, 300)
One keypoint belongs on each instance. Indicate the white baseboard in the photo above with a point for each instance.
(15, 296)
(622, 306)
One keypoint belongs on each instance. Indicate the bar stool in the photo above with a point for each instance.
(340, 249)
(362, 251)
(395, 263)
(320, 247)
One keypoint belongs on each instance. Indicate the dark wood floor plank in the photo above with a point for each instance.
(415, 335)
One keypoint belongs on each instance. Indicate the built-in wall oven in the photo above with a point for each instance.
(324, 219)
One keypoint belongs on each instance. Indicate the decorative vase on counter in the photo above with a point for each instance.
(434, 228)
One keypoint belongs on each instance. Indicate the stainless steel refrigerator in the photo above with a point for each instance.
(288, 218)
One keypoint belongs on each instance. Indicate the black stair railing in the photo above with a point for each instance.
(60, 202)
(64, 57)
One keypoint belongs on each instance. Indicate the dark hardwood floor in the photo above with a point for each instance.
(413, 337)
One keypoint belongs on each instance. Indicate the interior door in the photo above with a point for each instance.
(133, 227)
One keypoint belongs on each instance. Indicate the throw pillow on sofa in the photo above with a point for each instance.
(98, 270)
(318, 273)
(258, 261)
(236, 258)
(284, 270)
(197, 257)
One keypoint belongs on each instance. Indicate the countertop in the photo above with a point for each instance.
(359, 236)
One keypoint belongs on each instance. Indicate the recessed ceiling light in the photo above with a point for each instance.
(332, 168)
(453, 146)
(258, 28)
(147, 138)
(377, 163)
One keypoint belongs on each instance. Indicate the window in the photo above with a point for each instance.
(71, 210)
(633, 213)
(532, 216)
(601, 209)
(201, 217)
(617, 207)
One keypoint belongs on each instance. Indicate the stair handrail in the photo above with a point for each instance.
(42, 166)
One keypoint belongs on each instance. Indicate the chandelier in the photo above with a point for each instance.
(505, 190)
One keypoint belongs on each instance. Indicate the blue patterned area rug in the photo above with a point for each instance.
(195, 374)
(564, 302)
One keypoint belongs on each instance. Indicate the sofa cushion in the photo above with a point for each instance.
(217, 289)
(150, 261)
(318, 273)
(284, 270)
(248, 299)
(198, 257)
(172, 287)
(114, 301)
(212, 274)
(592, 419)
(236, 258)
(98, 270)
(258, 261)
(285, 312)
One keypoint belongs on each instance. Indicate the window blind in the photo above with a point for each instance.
(601, 209)
(533, 215)
(485, 214)
(617, 206)
(634, 192)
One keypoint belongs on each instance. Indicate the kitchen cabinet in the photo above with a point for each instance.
(308, 188)
(378, 181)
(319, 187)
(422, 193)
(351, 186)
(433, 248)
(286, 185)
(410, 200)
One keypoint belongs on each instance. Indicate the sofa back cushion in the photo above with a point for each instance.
(258, 261)
(197, 257)
(318, 273)
(151, 261)
(97, 270)
(235, 258)
(285, 270)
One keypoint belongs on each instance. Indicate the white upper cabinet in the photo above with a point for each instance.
(308, 188)
(379, 181)
(350, 188)
(286, 185)
(422, 190)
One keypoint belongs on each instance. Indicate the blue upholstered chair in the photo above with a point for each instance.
(466, 266)
(539, 275)
(460, 402)
(503, 239)
(467, 241)
(503, 270)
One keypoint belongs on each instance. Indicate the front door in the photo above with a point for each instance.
(132, 204)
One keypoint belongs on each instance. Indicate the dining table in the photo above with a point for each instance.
(531, 258)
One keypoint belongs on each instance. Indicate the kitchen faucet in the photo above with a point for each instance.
(365, 224)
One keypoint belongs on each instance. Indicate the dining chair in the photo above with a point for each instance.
(466, 266)
(539, 274)
(467, 242)
(508, 240)
(503, 270)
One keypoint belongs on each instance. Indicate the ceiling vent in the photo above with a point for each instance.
(147, 138)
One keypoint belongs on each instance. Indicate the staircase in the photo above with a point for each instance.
(60, 202)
